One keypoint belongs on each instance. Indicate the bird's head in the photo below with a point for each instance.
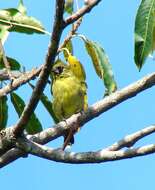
(59, 69)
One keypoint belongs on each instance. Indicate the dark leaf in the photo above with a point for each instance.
(3, 112)
(48, 105)
(144, 25)
(34, 125)
(15, 65)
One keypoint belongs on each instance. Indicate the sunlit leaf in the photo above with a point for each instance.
(19, 22)
(22, 8)
(101, 64)
(69, 47)
(108, 75)
(3, 112)
(34, 125)
(94, 56)
(153, 42)
(69, 6)
(144, 26)
(3, 33)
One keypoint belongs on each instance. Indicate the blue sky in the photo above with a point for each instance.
(111, 24)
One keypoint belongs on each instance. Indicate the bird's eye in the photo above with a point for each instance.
(58, 70)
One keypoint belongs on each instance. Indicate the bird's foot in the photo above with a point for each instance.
(68, 139)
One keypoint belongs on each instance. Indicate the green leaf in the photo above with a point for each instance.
(19, 22)
(22, 8)
(89, 45)
(3, 112)
(69, 4)
(106, 68)
(144, 26)
(69, 46)
(101, 64)
(34, 125)
(14, 64)
(48, 105)
(153, 42)
(3, 33)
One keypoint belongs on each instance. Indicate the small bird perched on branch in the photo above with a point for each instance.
(69, 96)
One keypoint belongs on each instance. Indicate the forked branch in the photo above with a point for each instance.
(96, 109)
(111, 153)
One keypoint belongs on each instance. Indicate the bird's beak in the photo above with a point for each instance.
(55, 70)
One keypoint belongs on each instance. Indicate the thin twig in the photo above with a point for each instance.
(77, 4)
(87, 8)
(4, 74)
(24, 78)
(71, 33)
(131, 139)
(5, 61)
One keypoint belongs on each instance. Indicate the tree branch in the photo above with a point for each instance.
(90, 157)
(96, 109)
(106, 154)
(11, 156)
(5, 61)
(109, 154)
(84, 157)
(50, 57)
(24, 78)
(5, 76)
(75, 158)
(87, 8)
(131, 139)
(71, 33)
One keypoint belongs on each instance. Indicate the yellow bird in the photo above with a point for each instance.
(68, 95)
